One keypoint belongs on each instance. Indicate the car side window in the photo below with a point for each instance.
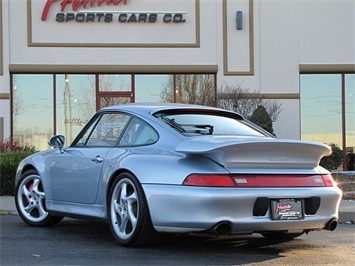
(138, 133)
(105, 131)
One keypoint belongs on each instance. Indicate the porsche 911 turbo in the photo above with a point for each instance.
(154, 169)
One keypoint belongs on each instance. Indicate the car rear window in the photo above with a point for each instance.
(195, 122)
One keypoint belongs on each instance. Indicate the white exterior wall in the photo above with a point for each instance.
(327, 32)
(286, 35)
(4, 73)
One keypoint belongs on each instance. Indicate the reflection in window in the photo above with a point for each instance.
(148, 88)
(32, 109)
(350, 113)
(322, 111)
(193, 89)
(114, 89)
(47, 104)
(180, 88)
(108, 101)
(110, 83)
(321, 108)
(75, 103)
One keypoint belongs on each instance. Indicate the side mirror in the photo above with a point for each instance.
(57, 141)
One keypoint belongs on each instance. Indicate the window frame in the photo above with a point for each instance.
(143, 123)
(94, 121)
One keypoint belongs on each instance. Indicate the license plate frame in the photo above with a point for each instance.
(287, 209)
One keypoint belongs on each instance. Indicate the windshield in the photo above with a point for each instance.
(205, 123)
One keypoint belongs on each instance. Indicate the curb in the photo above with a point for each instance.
(346, 218)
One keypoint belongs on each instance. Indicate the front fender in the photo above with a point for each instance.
(41, 162)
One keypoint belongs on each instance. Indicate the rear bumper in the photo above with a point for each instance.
(181, 209)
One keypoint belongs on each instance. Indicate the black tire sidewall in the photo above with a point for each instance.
(142, 217)
(46, 220)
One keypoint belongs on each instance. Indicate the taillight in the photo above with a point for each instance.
(209, 180)
(279, 181)
(259, 180)
(329, 180)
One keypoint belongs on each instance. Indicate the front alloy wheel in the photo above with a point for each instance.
(128, 213)
(30, 201)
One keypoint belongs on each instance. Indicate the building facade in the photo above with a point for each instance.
(61, 60)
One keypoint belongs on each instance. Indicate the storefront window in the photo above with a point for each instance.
(48, 104)
(75, 103)
(195, 89)
(323, 113)
(114, 89)
(321, 108)
(179, 88)
(149, 88)
(109, 100)
(32, 98)
(110, 83)
(350, 119)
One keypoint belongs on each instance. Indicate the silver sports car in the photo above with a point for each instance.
(171, 168)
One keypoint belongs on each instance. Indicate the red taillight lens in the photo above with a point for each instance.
(279, 180)
(209, 180)
(259, 180)
(329, 180)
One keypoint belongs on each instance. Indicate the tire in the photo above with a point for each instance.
(128, 213)
(30, 201)
(285, 236)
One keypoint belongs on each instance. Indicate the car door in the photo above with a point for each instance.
(76, 172)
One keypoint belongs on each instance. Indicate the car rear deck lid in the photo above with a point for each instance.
(243, 152)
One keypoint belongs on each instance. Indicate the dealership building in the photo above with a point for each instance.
(61, 60)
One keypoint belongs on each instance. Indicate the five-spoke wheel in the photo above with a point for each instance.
(128, 213)
(30, 201)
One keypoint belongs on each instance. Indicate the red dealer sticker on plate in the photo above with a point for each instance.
(287, 209)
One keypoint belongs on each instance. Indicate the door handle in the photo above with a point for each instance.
(98, 159)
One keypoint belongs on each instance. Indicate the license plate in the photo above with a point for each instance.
(287, 209)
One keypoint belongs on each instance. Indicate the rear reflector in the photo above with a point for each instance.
(259, 180)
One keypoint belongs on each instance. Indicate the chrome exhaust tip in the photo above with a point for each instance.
(222, 228)
(331, 225)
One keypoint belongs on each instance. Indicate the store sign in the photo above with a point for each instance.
(122, 17)
(113, 23)
(76, 4)
(77, 12)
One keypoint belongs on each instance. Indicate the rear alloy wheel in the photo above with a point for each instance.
(128, 213)
(30, 201)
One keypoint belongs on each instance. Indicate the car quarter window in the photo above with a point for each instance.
(105, 130)
(137, 133)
